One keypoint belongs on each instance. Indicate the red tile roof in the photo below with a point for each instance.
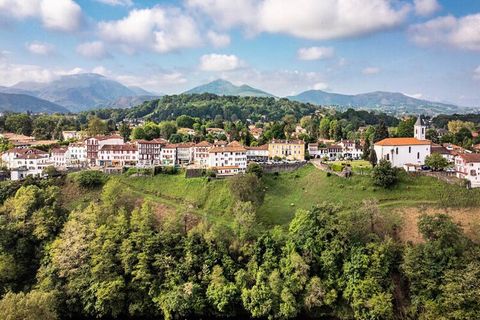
(470, 157)
(402, 142)
(119, 147)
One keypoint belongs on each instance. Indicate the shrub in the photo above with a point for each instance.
(255, 168)
(384, 175)
(247, 187)
(90, 179)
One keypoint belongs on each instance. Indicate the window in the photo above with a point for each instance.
(388, 157)
(418, 155)
(396, 150)
(409, 149)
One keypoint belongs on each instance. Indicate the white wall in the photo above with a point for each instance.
(400, 155)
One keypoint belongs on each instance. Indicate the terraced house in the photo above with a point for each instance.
(287, 149)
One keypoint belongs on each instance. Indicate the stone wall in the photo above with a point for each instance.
(282, 167)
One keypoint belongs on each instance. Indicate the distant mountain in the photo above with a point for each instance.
(225, 88)
(80, 91)
(131, 101)
(142, 92)
(393, 102)
(22, 103)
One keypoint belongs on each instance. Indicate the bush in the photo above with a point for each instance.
(166, 170)
(247, 187)
(384, 175)
(255, 169)
(90, 179)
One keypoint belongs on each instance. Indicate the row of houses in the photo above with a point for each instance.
(112, 154)
(345, 149)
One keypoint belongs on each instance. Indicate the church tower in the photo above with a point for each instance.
(420, 128)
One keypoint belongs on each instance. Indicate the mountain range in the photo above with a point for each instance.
(222, 87)
(78, 92)
(73, 93)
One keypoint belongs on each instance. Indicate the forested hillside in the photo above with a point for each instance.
(122, 247)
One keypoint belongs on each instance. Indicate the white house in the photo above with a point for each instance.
(95, 143)
(71, 135)
(467, 166)
(200, 153)
(76, 155)
(168, 155)
(403, 151)
(59, 157)
(185, 153)
(228, 160)
(24, 162)
(258, 153)
(149, 152)
(117, 155)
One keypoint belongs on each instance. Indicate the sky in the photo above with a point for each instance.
(427, 49)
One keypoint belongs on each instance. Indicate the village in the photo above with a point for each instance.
(112, 154)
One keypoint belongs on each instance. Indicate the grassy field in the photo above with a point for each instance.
(360, 166)
(285, 193)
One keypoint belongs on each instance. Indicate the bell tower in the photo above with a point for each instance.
(420, 128)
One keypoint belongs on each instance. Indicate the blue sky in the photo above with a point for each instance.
(424, 48)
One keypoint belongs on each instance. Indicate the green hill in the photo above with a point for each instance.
(226, 88)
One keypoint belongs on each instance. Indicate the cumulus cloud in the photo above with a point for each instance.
(158, 29)
(476, 73)
(40, 48)
(320, 86)
(218, 39)
(462, 33)
(310, 19)
(315, 53)
(61, 15)
(220, 62)
(426, 7)
(371, 70)
(117, 2)
(92, 50)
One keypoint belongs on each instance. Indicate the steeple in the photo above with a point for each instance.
(420, 128)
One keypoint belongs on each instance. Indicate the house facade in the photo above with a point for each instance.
(467, 166)
(117, 155)
(94, 144)
(287, 149)
(403, 151)
(258, 153)
(228, 160)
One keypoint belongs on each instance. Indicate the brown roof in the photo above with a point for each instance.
(59, 150)
(17, 137)
(227, 149)
(436, 148)
(31, 156)
(203, 144)
(102, 137)
(262, 147)
(170, 146)
(119, 147)
(26, 151)
(77, 144)
(287, 141)
(186, 145)
(402, 142)
(154, 141)
(470, 157)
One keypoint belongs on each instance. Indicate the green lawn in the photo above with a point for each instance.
(357, 165)
(288, 192)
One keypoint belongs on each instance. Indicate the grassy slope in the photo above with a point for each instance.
(302, 188)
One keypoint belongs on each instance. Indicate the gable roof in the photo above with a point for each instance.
(403, 142)
(470, 157)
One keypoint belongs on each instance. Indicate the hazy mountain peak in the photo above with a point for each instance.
(224, 87)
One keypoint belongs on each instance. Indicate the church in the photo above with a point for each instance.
(408, 153)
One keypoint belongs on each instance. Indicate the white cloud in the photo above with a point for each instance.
(158, 29)
(462, 33)
(61, 15)
(371, 70)
(415, 95)
(219, 62)
(476, 73)
(40, 48)
(92, 50)
(218, 39)
(101, 70)
(426, 7)
(315, 53)
(311, 19)
(320, 86)
(117, 2)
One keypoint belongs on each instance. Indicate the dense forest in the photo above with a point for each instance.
(120, 258)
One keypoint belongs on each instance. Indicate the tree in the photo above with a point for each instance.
(185, 121)
(454, 126)
(19, 124)
(432, 135)
(167, 128)
(125, 131)
(96, 126)
(138, 133)
(436, 161)
(381, 132)
(247, 187)
(90, 179)
(34, 305)
(324, 127)
(372, 157)
(384, 175)
(5, 144)
(255, 169)
(405, 127)
(366, 150)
